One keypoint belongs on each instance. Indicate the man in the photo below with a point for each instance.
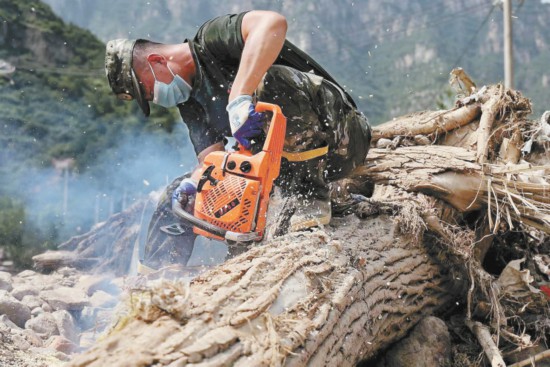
(214, 81)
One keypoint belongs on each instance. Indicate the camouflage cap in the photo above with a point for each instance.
(120, 73)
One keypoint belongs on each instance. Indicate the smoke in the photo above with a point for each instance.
(70, 202)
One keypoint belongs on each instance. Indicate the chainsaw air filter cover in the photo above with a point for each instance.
(231, 204)
(234, 188)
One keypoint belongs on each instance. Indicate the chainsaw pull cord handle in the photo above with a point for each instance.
(207, 176)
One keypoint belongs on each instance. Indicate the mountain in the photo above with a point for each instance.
(394, 56)
(70, 152)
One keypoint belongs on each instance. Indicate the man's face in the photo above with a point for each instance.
(146, 81)
(158, 64)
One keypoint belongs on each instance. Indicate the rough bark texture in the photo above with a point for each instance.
(331, 297)
(449, 173)
(429, 122)
(344, 293)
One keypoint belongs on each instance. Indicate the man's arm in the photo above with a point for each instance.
(264, 34)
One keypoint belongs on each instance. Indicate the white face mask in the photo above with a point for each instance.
(170, 95)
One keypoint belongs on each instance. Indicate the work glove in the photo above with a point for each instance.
(185, 194)
(246, 123)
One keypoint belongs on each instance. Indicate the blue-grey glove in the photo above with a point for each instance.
(185, 194)
(246, 123)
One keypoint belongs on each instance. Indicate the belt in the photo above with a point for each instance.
(305, 156)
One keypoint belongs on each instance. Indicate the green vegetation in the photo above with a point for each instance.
(57, 105)
(18, 237)
(394, 57)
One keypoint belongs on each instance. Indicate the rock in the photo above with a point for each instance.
(96, 318)
(14, 309)
(5, 281)
(61, 344)
(65, 298)
(49, 353)
(428, 345)
(66, 325)
(26, 274)
(102, 299)
(88, 318)
(92, 283)
(4, 320)
(5, 328)
(31, 337)
(20, 342)
(20, 291)
(6, 266)
(46, 307)
(67, 271)
(45, 325)
(36, 311)
(32, 301)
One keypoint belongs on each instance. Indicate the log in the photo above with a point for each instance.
(108, 248)
(428, 122)
(52, 260)
(331, 297)
(514, 193)
(347, 291)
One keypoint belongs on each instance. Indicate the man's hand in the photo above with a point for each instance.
(246, 123)
(185, 194)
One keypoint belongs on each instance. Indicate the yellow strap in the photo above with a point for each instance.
(144, 269)
(305, 156)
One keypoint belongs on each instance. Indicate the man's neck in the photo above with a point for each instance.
(181, 56)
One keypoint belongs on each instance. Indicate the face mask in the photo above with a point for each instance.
(170, 95)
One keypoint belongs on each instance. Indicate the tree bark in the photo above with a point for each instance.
(428, 122)
(345, 292)
(331, 297)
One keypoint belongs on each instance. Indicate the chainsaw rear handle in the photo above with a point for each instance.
(277, 129)
(264, 106)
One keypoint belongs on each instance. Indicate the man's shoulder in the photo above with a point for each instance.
(219, 26)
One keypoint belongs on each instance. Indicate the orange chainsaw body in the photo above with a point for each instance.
(234, 188)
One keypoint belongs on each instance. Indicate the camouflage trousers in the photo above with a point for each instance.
(318, 114)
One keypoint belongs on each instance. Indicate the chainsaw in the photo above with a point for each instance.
(234, 187)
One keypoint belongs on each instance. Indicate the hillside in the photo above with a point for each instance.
(71, 154)
(394, 56)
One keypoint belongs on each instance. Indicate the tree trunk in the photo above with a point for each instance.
(345, 292)
(332, 297)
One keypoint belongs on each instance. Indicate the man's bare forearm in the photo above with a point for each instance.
(264, 34)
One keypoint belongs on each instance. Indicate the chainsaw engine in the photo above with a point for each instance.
(234, 188)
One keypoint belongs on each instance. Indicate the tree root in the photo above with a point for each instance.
(486, 341)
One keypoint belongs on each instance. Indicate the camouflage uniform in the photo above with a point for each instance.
(319, 114)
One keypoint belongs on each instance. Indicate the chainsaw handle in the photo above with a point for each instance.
(278, 126)
(277, 129)
(263, 107)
